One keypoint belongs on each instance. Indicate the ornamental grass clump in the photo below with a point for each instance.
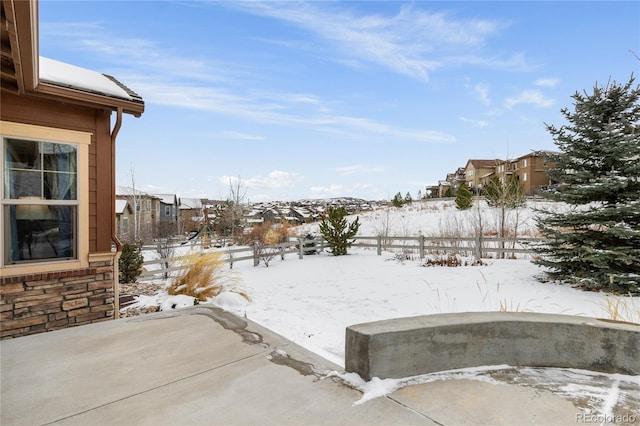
(620, 308)
(204, 276)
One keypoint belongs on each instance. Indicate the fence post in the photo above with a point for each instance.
(478, 248)
(421, 246)
(379, 245)
(300, 251)
(256, 252)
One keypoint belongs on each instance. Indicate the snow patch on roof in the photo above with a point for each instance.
(63, 74)
(120, 206)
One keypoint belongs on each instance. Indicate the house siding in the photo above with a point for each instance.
(43, 301)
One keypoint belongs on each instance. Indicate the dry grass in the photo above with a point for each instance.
(204, 276)
(621, 308)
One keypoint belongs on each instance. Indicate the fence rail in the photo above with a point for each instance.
(479, 247)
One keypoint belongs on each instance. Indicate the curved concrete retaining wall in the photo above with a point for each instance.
(411, 346)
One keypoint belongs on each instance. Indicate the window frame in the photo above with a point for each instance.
(81, 140)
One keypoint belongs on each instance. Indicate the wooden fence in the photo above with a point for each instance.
(420, 246)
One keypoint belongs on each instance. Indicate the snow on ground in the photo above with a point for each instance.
(312, 301)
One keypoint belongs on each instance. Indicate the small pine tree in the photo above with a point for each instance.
(464, 199)
(596, 243)
(337, 231)
(397, 201)
(408, 199)
(130, 263)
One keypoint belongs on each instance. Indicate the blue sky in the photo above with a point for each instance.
(326, 99)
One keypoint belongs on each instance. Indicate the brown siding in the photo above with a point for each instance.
(105, 209)
(42, 112)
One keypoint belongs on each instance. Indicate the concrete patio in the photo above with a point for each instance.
(203, 366)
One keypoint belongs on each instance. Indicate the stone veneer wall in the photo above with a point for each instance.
(47, 301)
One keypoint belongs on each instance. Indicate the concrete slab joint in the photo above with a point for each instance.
(419, 345)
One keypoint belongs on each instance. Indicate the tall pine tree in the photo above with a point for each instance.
(596, 241)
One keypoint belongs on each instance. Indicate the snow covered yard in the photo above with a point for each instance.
(312, 301)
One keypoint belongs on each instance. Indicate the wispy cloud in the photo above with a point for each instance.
(167, 78)
(358, 168)
(547, 82)
(532, 97)
(479, 123)
(241, 136)
(275, 179)
(333, 190)
(482, 89)
(412, 42)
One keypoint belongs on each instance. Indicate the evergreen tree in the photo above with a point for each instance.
(596, 243)
(130, 263)
(337, 231)
(464, 199)
(408, 199)
(397, 201)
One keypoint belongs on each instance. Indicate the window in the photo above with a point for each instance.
(44, 198)
(524, 177)
(39, 200)
(524, 163)
(167, 211)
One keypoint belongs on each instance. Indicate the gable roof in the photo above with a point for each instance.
(482, 164)
(170, 199)
(121, 205)
(25, 72)
(190, 203)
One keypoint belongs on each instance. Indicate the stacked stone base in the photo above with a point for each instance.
(48, 301)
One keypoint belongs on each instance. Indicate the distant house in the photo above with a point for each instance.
(191, 214)
(144, 220)
(168, 215)
(531, 170)
(300, 215)
(449, 185)
(478, 173)
(58, 245)
(124, 218)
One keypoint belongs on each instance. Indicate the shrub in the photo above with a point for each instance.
(204, 276)
(130, 263)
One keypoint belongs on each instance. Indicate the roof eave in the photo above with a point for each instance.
(73, 95)
(23, 35)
